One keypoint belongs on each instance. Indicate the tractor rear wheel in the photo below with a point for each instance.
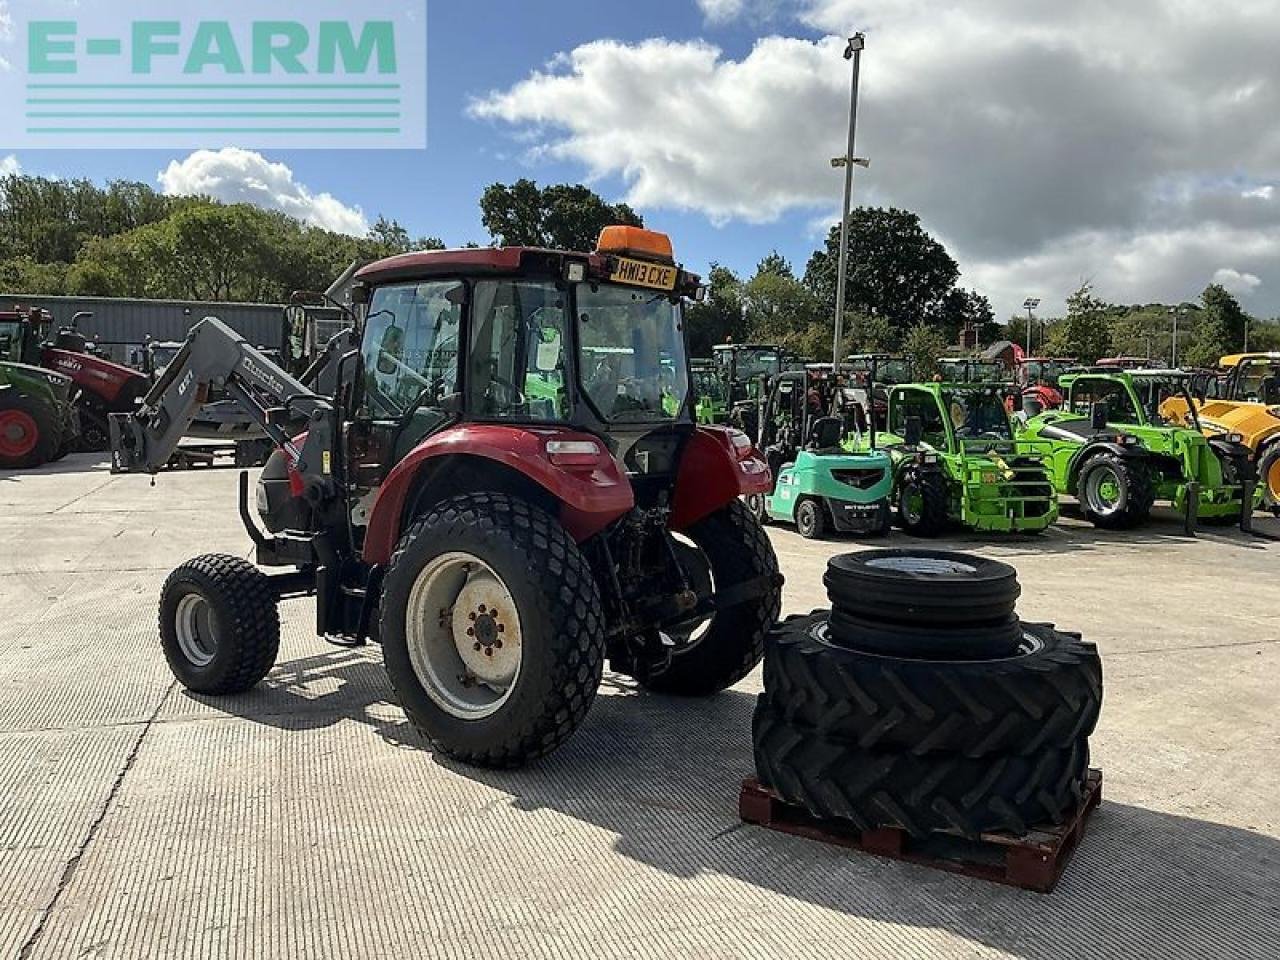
(1269, 477)
(1116, 493)
(737, 551)
(28, 432)
(811, 518)
(492, 629)
(219, 626)
(922, 503)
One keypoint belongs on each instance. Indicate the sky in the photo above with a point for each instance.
(1131, 145)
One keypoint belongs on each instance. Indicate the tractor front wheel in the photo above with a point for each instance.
(1269, 477)
(28, 434)
(737, 552)
(491, 630)
(811, 518)
(1115, 493)
(922, 503)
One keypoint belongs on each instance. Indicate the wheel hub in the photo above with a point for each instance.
(481, 618)
(18, 433)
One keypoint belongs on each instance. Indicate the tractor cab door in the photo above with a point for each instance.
(907, 403)
(407, 379)
(1121, 402)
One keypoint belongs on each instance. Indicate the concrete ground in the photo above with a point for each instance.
(305, 819)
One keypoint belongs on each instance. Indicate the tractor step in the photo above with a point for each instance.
(1033, 862)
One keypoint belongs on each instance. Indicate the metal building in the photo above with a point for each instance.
(122, 327)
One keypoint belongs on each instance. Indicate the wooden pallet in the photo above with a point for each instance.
(1033, 862)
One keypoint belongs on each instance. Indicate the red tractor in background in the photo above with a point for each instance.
(99, 386)
(506, 488)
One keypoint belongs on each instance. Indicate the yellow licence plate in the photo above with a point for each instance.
(641, 274)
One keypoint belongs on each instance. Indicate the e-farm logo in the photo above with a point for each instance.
(237, 73)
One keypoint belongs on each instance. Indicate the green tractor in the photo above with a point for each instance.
(817, 484)
(38, 421)
(712, 406)
(956, 461)
(1111, 449)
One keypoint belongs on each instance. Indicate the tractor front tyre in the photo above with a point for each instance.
(95, 435)
(811, 518)
(492, 630)
(922, 503)
(731, 643)
(1115, 493)
(219, 626)
(1269, 477)
(28, 433)
(757, 504)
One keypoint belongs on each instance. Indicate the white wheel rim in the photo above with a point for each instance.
(196, 630)
(1100, 504)
(463, 634)
(927, 566)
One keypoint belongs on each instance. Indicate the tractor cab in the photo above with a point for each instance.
(819, 484)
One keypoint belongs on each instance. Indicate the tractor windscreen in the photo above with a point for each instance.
(757, 363)
(977, 415)
(633, 364)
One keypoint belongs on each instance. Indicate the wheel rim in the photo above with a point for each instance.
(197, 633)
(929, 566)
(1104, 491)
(1273, 481)
(755, 503)
(18, 433)
(912, 504)
(805, 517)
(463, 632)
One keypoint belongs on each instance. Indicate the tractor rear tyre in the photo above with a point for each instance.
(738, 552)
(923, 503)
(28, 432)
(834, 778)
(1116, 493)
(811, 519)
(1044, 695)
(1269, 477)
(219, 626)
(908, 585)
(492, 629)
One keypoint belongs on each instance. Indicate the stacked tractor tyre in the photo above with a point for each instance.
(921, 701)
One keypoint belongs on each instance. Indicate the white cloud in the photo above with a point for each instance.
(9, 165)
(1259, 193)
(234, 175)
(721, 11)
(1237, 282)
(1013, 127)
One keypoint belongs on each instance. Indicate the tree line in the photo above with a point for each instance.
(902, 290)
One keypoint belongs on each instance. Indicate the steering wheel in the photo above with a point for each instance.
(507, 397)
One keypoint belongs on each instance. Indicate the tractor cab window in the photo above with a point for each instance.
(410, 348)
(918, 403)
(1260, 381)
(1120, 405)
(10, 341)
(977, 415)
(516, 365)
(633, 365)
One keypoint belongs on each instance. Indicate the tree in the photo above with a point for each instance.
(1085, 332)
(895, 268)
(719, 317)
(776, 264)
(923, 344)
(961, 308)
(562, 216)
(782, 310)
(1220, 329)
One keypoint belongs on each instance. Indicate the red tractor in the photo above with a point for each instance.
(99, 387)
(506, 489)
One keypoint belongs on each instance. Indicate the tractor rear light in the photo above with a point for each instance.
(573, 453)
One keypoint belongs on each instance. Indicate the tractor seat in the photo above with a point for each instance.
(1073, 431)
(825, 434)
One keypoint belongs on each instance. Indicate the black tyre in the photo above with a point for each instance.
(219, 625)
(28, 432)
(1116, 493)
(923, 503)
(491, 629)
(756, 505)
(907, 585)
(983, 641)
(811, 520)
(834, 778)
(1044, 696)
(737, 551)
(1269, 477)
(95, 435)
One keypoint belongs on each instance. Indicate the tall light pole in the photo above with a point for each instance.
(1173, 312)
(853, 51)
(1029, 305)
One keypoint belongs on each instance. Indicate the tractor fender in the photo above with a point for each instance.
(718, 465)
(591, 489)
(113, 385)
(1127, 451)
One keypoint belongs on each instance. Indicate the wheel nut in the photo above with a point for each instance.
(472, 614)
(501, 628)
(471, 631)
(482, 608)
(498, 644)
(475, 646)
(488, 651)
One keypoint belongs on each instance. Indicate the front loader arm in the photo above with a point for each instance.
(214, 355)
